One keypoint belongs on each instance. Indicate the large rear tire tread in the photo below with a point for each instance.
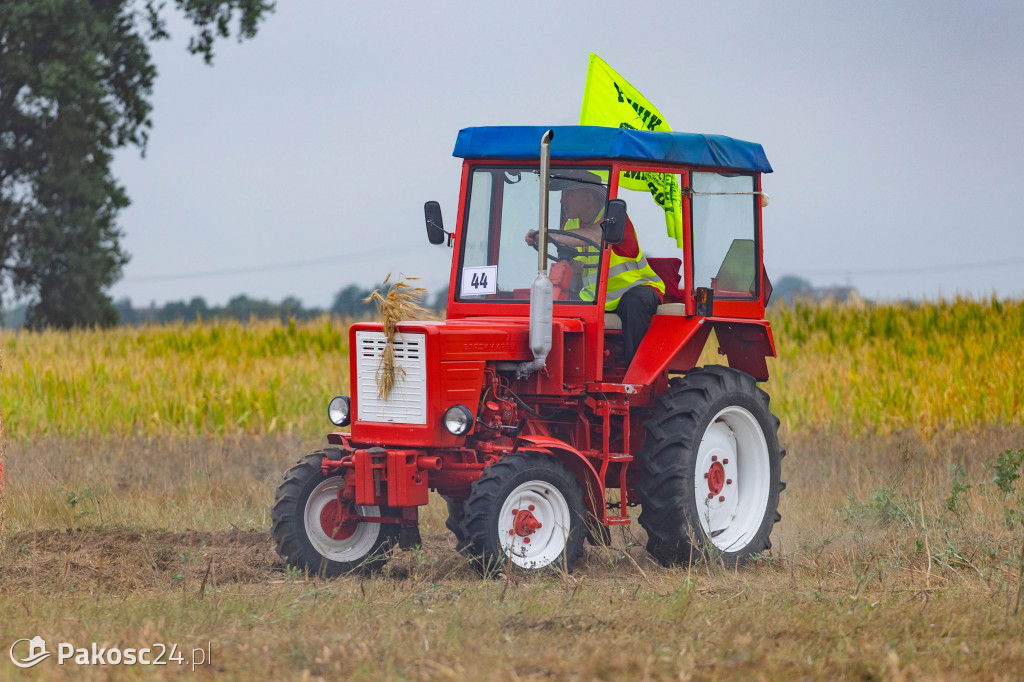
(289, 530)
(670, 511)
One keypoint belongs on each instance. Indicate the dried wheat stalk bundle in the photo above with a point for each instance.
(400, 303)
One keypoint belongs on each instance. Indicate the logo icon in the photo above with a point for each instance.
(36, 652)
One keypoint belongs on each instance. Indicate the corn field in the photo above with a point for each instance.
(883, 369)
(217, 379)
(871, 369)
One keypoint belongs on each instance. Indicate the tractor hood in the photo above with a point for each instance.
(438, 365)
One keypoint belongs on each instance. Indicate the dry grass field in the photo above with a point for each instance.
(129, 520)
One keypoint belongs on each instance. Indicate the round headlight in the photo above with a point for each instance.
(458, 419)
(339, 411)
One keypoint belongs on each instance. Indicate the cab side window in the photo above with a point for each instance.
(724, 232)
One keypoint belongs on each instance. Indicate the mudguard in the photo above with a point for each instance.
(593, 488)
(674, 343)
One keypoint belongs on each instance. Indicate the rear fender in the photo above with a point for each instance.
(747, 344)
(671, 343)
(675, 343)
(593, 489)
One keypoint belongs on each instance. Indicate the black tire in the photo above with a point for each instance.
(308, 547)
(456, 515)
(598, 534)
(543, 485)
(740, 494)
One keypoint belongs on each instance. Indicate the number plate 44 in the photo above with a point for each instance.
(479, 281)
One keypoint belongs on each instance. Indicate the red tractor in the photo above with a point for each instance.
(519, 408)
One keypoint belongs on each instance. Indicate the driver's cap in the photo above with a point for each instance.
(575, 178)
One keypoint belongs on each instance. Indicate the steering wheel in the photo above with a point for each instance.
(569, 252)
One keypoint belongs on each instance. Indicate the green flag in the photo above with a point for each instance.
(609, 100)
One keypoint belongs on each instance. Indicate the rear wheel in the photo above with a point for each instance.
(317, 531)
(710, 469)
(526, 512)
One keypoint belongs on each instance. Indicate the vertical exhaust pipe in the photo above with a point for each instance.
(545, 184)
(541, 291)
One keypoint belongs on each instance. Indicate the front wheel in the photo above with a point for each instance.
(318, 531)
(526, 512)
(710, 469)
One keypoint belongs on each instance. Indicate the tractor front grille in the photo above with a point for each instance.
(407, 402)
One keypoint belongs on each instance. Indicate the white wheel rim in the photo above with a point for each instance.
(733, 479)
(527, 546)
(353, 548)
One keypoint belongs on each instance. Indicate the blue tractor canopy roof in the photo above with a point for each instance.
(594, 142)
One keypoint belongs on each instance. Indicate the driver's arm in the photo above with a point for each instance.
(593, 233)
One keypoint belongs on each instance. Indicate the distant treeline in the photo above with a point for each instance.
(350, 302)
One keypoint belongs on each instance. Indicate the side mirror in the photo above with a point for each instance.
(614, 223)
(435, 225)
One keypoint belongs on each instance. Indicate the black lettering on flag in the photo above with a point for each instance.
(659, 196)
(618, 90)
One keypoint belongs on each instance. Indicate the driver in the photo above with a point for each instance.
(634, 290)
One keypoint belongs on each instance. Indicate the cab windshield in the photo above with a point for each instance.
(497, 262)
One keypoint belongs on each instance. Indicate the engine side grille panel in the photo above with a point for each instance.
(407, 403)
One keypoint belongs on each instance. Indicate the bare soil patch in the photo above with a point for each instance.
(130, 560)
(116, 561)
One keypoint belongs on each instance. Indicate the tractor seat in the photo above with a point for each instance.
(667, 270)
(613, 321)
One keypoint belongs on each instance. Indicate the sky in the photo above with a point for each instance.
(300, 161)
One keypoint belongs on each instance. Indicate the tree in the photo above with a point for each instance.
(351, 302)
(789, 288)
(196, 309)
(440, 302)
(125, 312)
(76, 77)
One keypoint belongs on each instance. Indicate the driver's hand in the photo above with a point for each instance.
(531, 237)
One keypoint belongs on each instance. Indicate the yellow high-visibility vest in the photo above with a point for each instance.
(623, 273)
